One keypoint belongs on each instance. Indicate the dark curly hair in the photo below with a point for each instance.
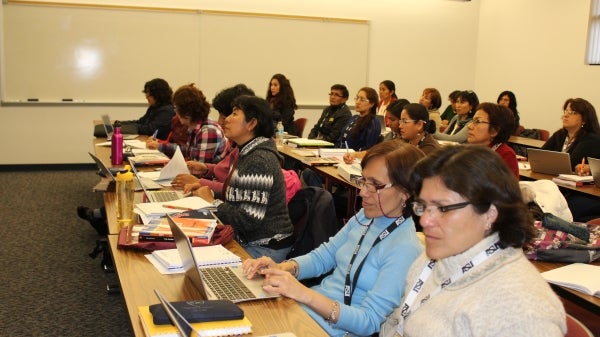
(160, 90)
(189, 101)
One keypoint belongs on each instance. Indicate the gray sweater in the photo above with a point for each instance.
(254, 202)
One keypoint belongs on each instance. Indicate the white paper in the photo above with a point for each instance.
(156, 208)
(174, 167)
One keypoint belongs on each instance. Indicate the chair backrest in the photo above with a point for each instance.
(312, 211)
(300, 124)
(544, 134)
(576, 329)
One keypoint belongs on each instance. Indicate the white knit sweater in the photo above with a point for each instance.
(503, 296)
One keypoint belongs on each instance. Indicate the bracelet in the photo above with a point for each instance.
(294, 271)
(332, 314)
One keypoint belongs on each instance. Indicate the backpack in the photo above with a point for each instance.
(312, 212)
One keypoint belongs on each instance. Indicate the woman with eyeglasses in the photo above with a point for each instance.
(387, 95)
(362, 130)
(416, 127)
(580, 137)
(473, 278)
(365, 260)
(491, 126)
(465, 105)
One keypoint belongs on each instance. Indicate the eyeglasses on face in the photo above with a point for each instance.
(419, 208)
(361, 99)
(569, 112)
(369, 186)
(477, 121)
(335, 94)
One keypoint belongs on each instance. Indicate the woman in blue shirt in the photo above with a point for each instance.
(367, 258)
(362, 131)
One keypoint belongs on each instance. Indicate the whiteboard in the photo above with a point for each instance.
(106, 54)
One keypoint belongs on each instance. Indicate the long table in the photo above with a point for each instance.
(589, 189)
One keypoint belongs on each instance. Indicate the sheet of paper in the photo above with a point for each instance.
(149, 208)
(134, 143)
(174, 167)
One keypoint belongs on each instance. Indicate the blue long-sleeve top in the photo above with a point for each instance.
(380, 286)
(368, 137)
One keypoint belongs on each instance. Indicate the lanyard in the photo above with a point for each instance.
(351, 284)
(427, 270)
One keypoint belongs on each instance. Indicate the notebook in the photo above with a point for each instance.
(104, 171)
(595, 170)
(216, 283)
(156, 196)
(108, 127)
(185, 328)
(549, 162)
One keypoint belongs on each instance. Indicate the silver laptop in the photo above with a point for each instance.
(549, 162)
(104, 171)
(595, 170)
(183, 326)
(108, 127)
(221, 283)
(381, 120)
(155, 196)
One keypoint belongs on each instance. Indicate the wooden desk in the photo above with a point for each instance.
(138, 278)
(588, 302)
(528, 142)
(589, 189)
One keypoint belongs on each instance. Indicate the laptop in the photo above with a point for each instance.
(381, 120)
(106, 172)
(216, 283)
(161, 195)
(595, 170)
(108, 127)
(549, 162)
(183, 326)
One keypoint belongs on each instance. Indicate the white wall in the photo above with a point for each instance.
(483, 45)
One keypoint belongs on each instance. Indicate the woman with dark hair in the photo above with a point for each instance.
(158, 116)
(509, 100)
(362, 131)
(580, 137)
(432, 100)
(466, 103)
(283, 103)
(205, 142)
(365, 259)
(416, 128)
(473, 272)
(387, 95)
(449, 111)
(491, 126)
(214, 175)
(254, 193)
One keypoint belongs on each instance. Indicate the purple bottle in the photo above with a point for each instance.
(117, 147)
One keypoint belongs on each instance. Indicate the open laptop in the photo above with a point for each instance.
(183, 326)
(108, 127)
(221, 283)
(155, 196)
(595, 170)
(106, 172)
(549, 162)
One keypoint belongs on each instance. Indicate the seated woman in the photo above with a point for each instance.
(580, 137)
(473, 275)
(509, 100)
(416, 128)
(449, 113)
(205, 142)
(253, 199)
(432, 100)
(358, 258)
(491, 126)
(283, 102)
(466, 102)
(387, 95)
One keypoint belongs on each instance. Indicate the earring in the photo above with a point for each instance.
(488, 226)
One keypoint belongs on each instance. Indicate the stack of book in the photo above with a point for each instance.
(206, 256)
(573, 180)
(199, 225)
(305, 142)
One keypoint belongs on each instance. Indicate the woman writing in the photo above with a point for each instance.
(359, 257)
(466, 102)
(253, 199)
(283, 103)
(205, 142)
(491, 126)
(473, 273)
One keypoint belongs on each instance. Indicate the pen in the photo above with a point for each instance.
(582, 165)
(347, 149)
(155, 134)
(178, 207)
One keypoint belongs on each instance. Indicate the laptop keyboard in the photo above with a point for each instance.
(164, 196)
(225, 284)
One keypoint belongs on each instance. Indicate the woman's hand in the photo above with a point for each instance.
(348, 158)
(252, 267)
(197, 168)
(205, 193)
(582, 169)
(282, 282)
(151, 144)
(188, 188)
(184, 179)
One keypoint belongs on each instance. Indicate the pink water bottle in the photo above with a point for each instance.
(116, 156)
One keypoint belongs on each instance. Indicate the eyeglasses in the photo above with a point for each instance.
(335, 94)
(406, 121)
(371, 187)
(361, 99)
(477, 121)
(419, 208)
(569, 112)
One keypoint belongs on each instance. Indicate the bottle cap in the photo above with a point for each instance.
(125, 174)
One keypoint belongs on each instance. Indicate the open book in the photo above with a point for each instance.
(579, 276)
